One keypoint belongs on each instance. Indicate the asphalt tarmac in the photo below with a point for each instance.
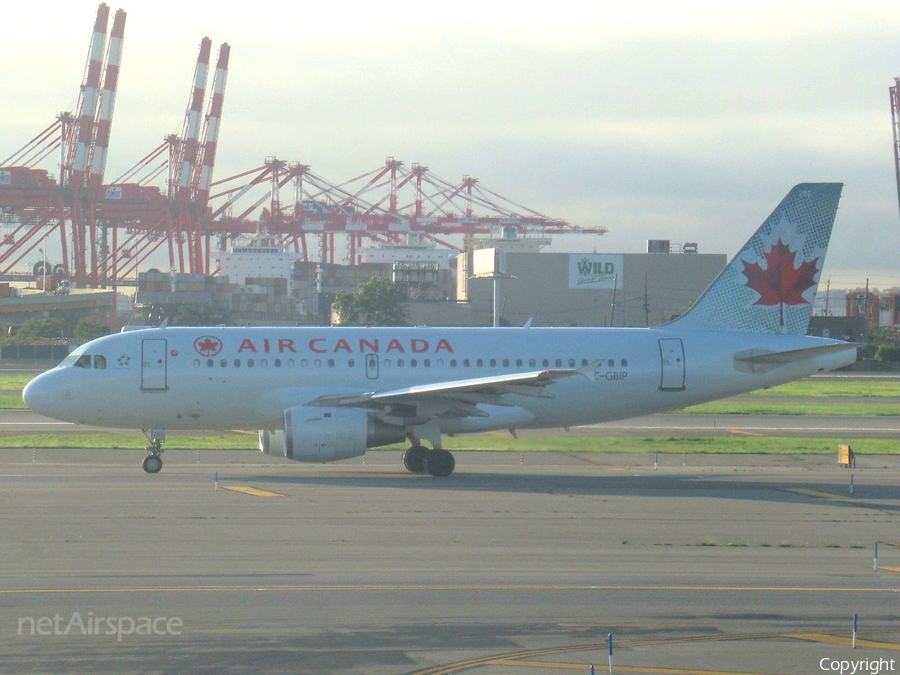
(518, 563)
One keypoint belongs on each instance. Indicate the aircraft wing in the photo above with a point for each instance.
(455, 397)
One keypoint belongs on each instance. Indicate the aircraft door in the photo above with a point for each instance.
(671, 352)
(372, 366)
(153, 365)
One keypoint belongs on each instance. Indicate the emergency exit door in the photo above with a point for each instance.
(671, 352)
(153, 365)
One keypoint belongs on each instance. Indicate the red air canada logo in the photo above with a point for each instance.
(208, 345)
(781, 283)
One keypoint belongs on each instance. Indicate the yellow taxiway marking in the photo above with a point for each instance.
(889, 569)
(741, 432)
(824, 495)
(247, 490)
(835, 640)
(618, 668)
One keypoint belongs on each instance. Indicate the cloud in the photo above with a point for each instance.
(686, 121)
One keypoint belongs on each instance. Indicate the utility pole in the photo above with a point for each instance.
(612, 310)
(646, 303)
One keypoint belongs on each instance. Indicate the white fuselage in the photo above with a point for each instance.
(244, 378)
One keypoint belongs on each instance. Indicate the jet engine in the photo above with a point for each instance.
(314, 434)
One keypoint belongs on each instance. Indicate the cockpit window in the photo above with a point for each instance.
(69, 360)
(84, 361)
(99, 361)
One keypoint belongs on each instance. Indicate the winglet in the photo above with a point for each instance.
(590, 370)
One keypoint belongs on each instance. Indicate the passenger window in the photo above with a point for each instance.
(465, 363)
(237, 363)
(571, 363)
(453, 363)
(290, 363)
(304, 363)
(506, 363)
(546, 363)
(277, 363)
(518, 363)
(223, 363)
(196, 363)
(250, 363)
(350, 363)
(331, 363)
(210, 363)
(84, 361)
(624, 363)
(611, 363)
(413, 363)
(479, 363)
(399, 363)
(318, 363)
(493, 363)
(559, 363)
(387, 363)
(532, 363)
(584, 362)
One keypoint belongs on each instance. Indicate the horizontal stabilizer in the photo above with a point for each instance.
(758, 357)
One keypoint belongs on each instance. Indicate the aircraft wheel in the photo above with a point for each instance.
(152, 463)
(439, 463)
(414, 458)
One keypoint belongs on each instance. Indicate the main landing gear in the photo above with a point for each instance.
(419, 459)
(153, 462)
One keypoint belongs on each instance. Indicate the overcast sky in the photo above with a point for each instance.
(686, 121)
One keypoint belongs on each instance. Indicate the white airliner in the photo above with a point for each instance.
(322, 394)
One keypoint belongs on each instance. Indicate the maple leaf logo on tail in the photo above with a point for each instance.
(781, 282)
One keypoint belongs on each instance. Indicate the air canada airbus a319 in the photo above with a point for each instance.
(322, 394)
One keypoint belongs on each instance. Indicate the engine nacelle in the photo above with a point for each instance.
(314, 434)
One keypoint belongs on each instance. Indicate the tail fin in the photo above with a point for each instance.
(770, 286)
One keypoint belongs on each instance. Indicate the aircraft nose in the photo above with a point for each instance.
(37, 394)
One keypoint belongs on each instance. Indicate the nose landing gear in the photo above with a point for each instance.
(153, 462)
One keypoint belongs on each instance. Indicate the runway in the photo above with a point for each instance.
(515, 564)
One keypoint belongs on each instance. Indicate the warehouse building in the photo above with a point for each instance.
(578, 289)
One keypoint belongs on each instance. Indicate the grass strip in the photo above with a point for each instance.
(874, 387)
(793, 407)
(494, 442)
(17, 380)
(116, 441)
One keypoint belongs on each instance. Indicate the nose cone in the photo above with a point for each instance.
(38, 395)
